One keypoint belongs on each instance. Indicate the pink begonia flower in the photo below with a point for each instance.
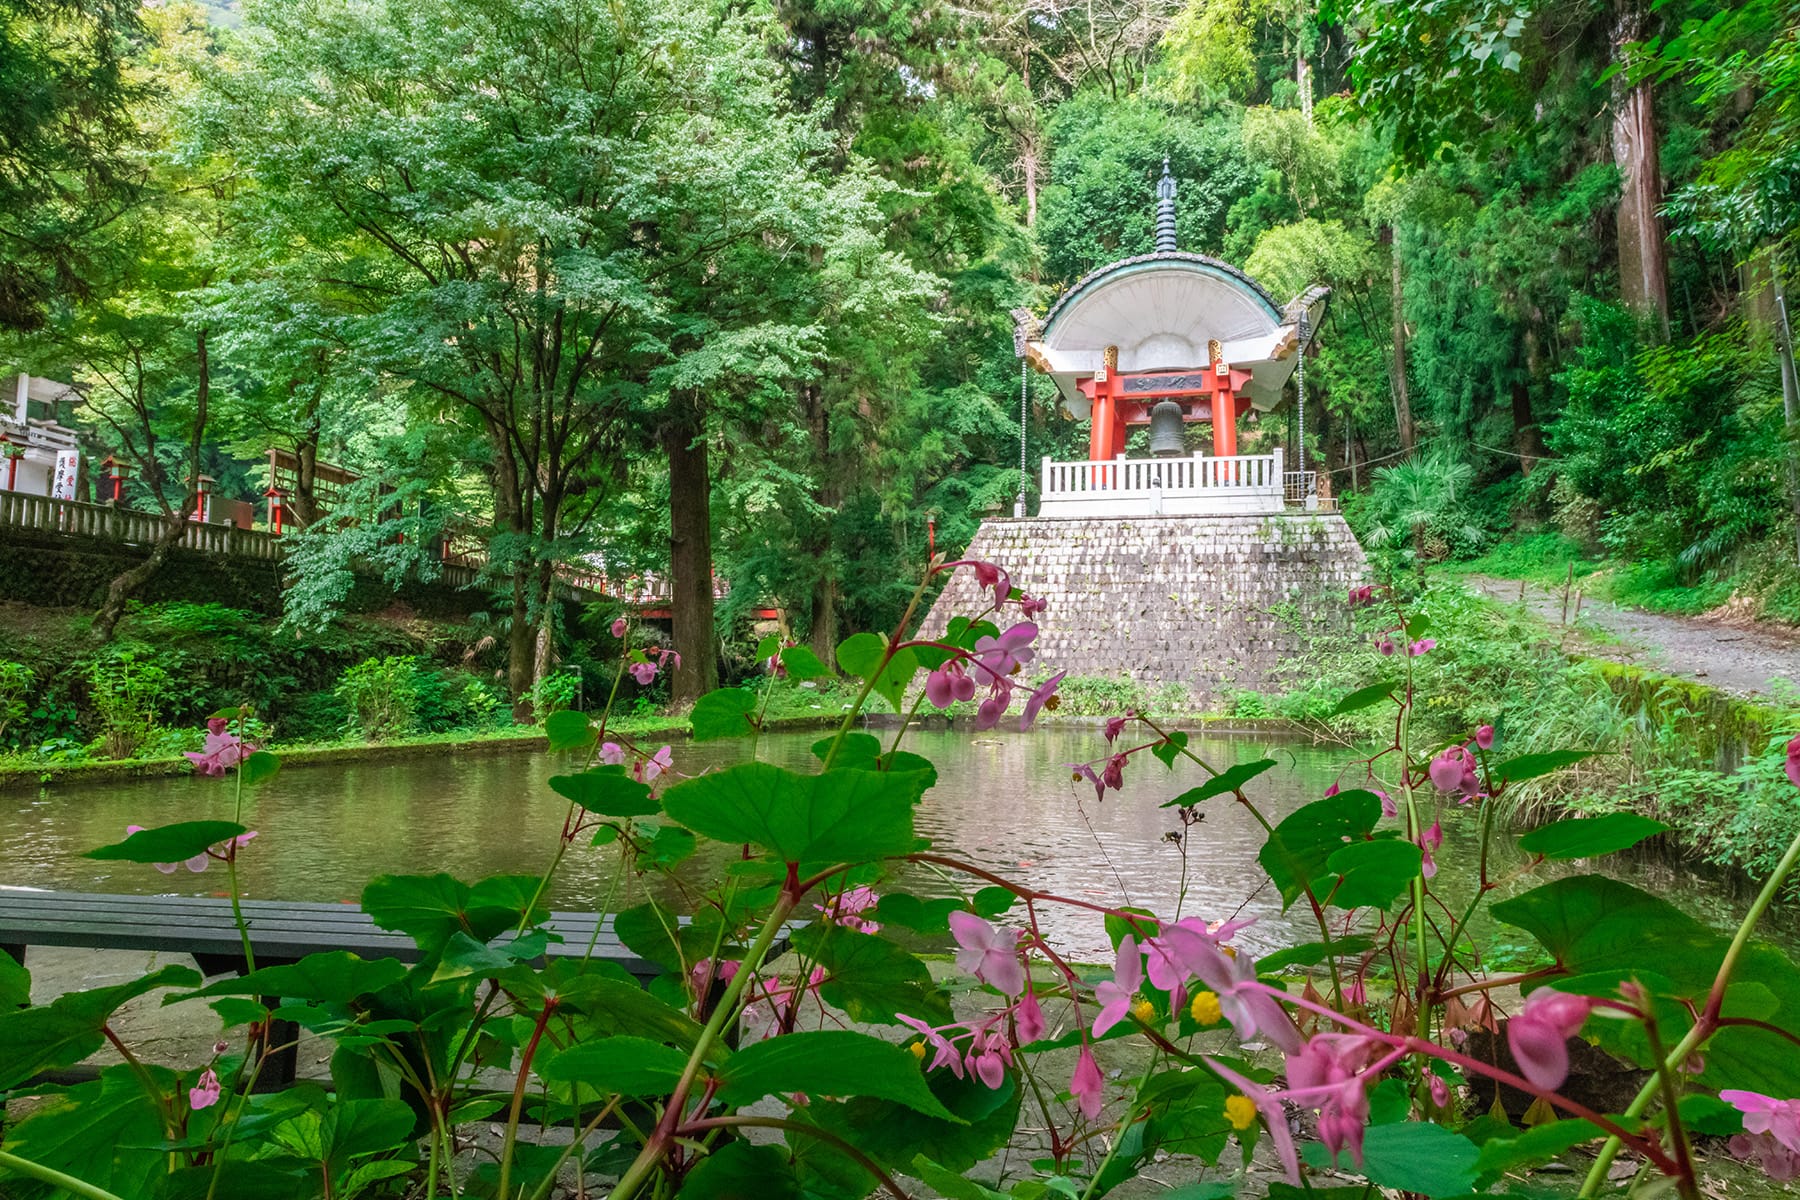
(988, 1056)
(947, 1054)
(1031, 605)
(1385, 645)
(1447, 769)
(1174, 952)
(1360, 596)
(1539, 1035)
(1007, 653)
(1115, 994)
(1115, 726)
(989, 954)
(988, 575)
(205, 1093)
(1324, 1075)
(1389, 806)
(1432, 839)
(1245, 1002)
(1028, 1018)
(1083, 771)
(722, 973)
(1440, 1091)
(994, 707)
(1038, 698)
(643, 672)
(948, 684)
(648, 769)
(222, 750)
(847, 908)
(618, 627)
(1086, 1085)
(1793, 760)
(1113, 776)
(1484, 737)
(1771, 1132)
(1422, 646)
(668, 658)
(1268, 1105)
(1331, 791)
(611, 753)
(1356, 994)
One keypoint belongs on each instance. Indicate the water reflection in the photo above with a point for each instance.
(1005, 802)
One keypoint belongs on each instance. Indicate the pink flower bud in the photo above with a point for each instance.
(1484, 737)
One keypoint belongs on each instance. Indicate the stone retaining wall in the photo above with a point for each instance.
(1212, 603)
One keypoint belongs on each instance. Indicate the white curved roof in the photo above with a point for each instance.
(1161, 311)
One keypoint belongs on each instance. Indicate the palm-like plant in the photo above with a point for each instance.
(1413, 496)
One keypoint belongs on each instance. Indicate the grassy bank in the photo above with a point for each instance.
(1704, 762)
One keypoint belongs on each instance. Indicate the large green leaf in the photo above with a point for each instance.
(829, 1062)
(1530, 766)
(1373, 873)
(15, 983)
(727, 712)
(1299, 849)
(1228, 780)
(339, 1131)
(617, 1007)
(69, 1028)
(1412, 1156)
(869, 977)
(258, 767)
(910, 912)
(430, 908)
(802, 663)
(104, 1132)
(1362, 698)
(332, 977)
(742, 1171)
(568, 730)
(862, 655)
(840, 816)
(1537, 1145)
(627, 1066)
(1594, 925)
(169, 843)
(1590, 837)
(894, 1134)
(606, 790)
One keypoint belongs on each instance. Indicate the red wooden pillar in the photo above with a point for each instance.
(1224, 404)
(1106, 431)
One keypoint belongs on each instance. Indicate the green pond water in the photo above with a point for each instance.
(1005, 802)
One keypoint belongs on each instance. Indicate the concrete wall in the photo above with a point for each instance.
(1213, 603)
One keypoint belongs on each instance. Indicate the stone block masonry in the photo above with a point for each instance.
(1211, 603)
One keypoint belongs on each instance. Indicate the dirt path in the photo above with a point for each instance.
(1746, 660)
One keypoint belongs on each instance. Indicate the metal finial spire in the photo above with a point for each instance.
(1165, 211)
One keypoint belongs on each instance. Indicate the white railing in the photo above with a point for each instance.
(1200, 486)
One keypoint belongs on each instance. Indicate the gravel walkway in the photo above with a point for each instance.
(1748, 660)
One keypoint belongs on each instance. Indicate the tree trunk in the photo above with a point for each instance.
(824, 635)
(1030, 160)
(1790, 391)
(1528, 439)
(1402, 400)
(690, 552)
(127, 584)
(1643, 253)
(520, 647)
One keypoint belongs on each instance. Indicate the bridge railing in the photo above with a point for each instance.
(71, 518)
(1197, 486)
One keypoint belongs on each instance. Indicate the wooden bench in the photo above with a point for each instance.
(281, 932)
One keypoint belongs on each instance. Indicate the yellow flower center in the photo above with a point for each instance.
(1205, 1009)
(1240, 1111)
(1143, 1010)
(918, 1049)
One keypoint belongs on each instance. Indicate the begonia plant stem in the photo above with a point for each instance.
(662, 1137)
(1707, 1024)
(49, 1175)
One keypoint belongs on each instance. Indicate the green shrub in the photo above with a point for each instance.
(555, 692)
(126, 693)
(381, 696)
(314, 717)
(16, 680)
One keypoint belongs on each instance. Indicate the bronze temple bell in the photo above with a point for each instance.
(1166, 428)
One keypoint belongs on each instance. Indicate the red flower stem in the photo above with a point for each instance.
(518, 1096)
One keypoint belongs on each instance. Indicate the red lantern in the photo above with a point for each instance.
(114, 475)
(276, 508)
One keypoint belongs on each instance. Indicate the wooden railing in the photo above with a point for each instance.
(1200, 485)
(70, 518)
